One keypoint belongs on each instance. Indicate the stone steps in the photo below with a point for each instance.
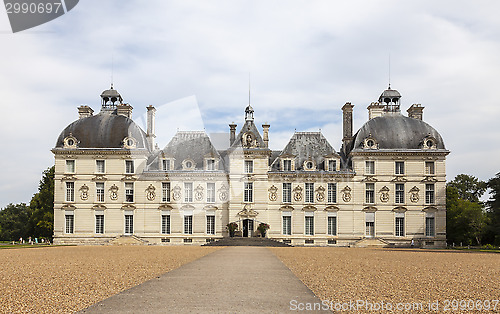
(237, 241)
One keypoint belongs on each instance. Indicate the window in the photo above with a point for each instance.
(70, 224)
(309, 165)
(165, 191)
(70, 166)
(370, 193)
(188, 224)
(429, 226)
(70, 191)
(332, 165)
(287, 192)
(332, 192)
(210, 224)
(370, 224)
(129, 166)
(309, 225)
(332, 225)
(400, 167)
(99, 191)
(210, 164)
(287, 224)
(129, 192)
(429, 193)
(400, 193)
(429, 167)
(166, 165)
(129, 224)
(309, 192)
(287, 165)
(248, 166)
(210, 192)
(248, 192)
(188, 192)
(400, 224)
(100, 166)
(165, 224)
(370, 167)
(99, 224)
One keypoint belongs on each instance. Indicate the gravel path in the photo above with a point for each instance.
(342, 275)
(68, 279)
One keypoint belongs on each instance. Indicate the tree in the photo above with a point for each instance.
(13, 222)
(469, 187)
(42, 206)
(493, 206)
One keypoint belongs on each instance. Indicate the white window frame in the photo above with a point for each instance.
(332, 224)
(99, 192)
(211, 164)
(309, 224)
(128, 224)
(399, 167)
(370, 193)
(430, 225)
(166, 223)
(69, 223)
(287, 164)
(129, 167)
(166, 164)
(210, 224)
(248, 166)
(188, 224)
(309, 192)
(70, 191)
(70, 166)
(399, 225)
(287, 192)
(210, 192)
(188, 192)
(99, 223)
(430, 168)
(332, 192)
(399, 193)
(370, 225)
(331, 165)
(370, 167)
(165, 192)
(286, 223)
(100, 166)
(430, 193)
(248, 192)
(129, 192)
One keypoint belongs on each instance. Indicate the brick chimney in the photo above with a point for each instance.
(124, 110)
(347, 123)
(232, 133)
(416, 111)
(265, 127)
(85, 111)
(375, 109)
(150, 135)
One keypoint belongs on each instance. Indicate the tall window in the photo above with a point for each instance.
(429, 226)
(332, 192)
(166, 164)
(332, 225)
(287, 224)
(309, 225)
(287, 192)
(99, 191)
(100, 166)
(400, 193)
(370, 224)
(429, 167)
(129, 166)
(70, 191)
(248, 166)
(165, 191)
(99, 224)
(370, 167)
(332, 165)
(70, 224)
(287, 165)
(165, 224)
(129, 192)
(70, 166)
(188, 192)
(309, 192)
(370, 193)
(129, 224)
(188, 224)
(248, 193)
(210, 224)
(400, 224)
(210, 164)
(429, 193)
(400, 167)
(210, 192)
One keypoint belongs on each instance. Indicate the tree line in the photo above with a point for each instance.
(469, 221)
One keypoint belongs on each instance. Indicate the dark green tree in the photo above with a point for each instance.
(493, 206)
(469, 187)
(41, 220)
(13, 222)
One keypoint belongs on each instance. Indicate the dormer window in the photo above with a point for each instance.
(429, 143)
(70, 141)
(370, 143)
(188, 164)
(210, 164)
(129, 142)
(309, 165)
(286, 164)
(331, 165)
(166, 164)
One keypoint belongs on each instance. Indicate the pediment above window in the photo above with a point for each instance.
(332, 208)
(309, 208)
(165, 207)
(370, 209)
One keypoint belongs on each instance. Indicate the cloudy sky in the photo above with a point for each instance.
(192, 59)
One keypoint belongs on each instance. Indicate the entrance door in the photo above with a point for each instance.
(247, 228)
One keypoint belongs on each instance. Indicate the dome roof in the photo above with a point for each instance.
(390, 93)
(104, 130)
(395, 131)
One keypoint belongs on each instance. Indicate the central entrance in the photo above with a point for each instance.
(247, 228)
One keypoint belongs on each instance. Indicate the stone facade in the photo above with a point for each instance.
(385, 186)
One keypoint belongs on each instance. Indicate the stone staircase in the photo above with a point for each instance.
(371, 242)
(238, 241)
(128, 240)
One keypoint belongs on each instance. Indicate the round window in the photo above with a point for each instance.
(370, 143)
(309, 165)
(189, 164)
(130, 142)
(429, 143)
(71, 142)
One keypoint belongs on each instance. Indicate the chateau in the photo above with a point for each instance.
(385, 186)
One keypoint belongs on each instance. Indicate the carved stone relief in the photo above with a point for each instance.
(273, 196)
(176, 193)
(346, 194)
(320, 194)
(113, 192)
(198, 193)
(84, 195)
(297, 193)
(384, 194)
(414, 194)
(150, 193)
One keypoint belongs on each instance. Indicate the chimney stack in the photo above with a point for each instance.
(85, 111)
(266, 134)
(150, 134)
(416, 111)
(232, 134)
(375, 109)
(347, 123)
(124, 110)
